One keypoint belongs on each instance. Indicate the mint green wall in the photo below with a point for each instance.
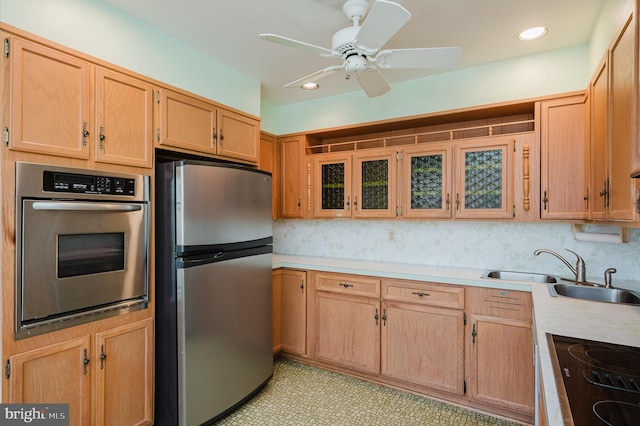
(527, 77)
(99, 30)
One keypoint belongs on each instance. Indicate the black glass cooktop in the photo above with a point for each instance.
(601, 380)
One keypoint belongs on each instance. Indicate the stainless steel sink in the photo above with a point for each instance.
(597, 294)
(520, 276)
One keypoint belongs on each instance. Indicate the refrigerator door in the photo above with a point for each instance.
(221, 204)
(224, 335)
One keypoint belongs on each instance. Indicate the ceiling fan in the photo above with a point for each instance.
(358, 47)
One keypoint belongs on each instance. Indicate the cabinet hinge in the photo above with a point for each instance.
(7, 369)
(515, 144)
(158, 97)
(514, 210)
(464, 387)
(158, 134)
(6, 47)
(464, 318)
(5, 136)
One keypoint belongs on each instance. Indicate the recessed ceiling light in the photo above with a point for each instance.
(310, 86)
(533, 33)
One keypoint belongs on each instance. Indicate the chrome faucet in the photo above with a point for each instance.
(580, 270)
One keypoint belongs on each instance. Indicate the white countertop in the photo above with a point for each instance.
(564, 316)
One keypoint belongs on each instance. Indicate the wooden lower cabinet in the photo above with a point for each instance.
(423, 345)
(57, 373)
(109, 373)
(290, 311)
(123, 366)
(470, 345)
(348, 331)
(500, 349)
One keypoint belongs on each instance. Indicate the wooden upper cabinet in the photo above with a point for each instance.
(124, 119)
(598, 99)
(186, 122)
(564, 158)
(484, 180)
(55, 373)
(357, 185)
(50, 94)
(623, 118)
(332, 185)
(192, 123)
(425, 181)
(292, 198)
(238, 136)
(374, 190)
(612, 134)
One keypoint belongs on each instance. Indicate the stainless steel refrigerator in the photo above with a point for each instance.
(214, 238)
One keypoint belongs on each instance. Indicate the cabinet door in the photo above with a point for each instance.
(186, 122)
(374, 184)
(598, 98)
(501, 370)
(49, 101)
(564, 159)
(238, 136)
(293, 310)
(124, 120)
(332, 186)
(123, 363)
(291, 178)
(348, 331)
(426, 182)
(623, 118)
(423, 345)
(484, 179)
(58, 373)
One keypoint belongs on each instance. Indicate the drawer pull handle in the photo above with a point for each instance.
(346, 285)
(420, 294)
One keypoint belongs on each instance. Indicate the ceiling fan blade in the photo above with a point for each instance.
(373, 83)
(309, 48)
(311, 78)
(419, 58)
(383, 20)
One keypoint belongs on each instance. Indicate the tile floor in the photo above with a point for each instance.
(302, 395)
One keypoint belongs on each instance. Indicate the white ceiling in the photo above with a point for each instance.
(485, 30)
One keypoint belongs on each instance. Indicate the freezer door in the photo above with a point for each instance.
(221, 204)
(224, 335)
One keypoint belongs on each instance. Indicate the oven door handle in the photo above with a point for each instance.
(85, 207)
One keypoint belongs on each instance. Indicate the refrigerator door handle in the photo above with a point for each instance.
(204, 260)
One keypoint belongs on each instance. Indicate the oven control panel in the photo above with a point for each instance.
(87, 184)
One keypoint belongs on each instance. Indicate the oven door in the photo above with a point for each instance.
(79, 256)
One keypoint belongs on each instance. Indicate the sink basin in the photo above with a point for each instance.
(520, 276)
(597, 294)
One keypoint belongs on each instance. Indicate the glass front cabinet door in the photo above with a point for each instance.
(426, 181)
(355, 185)
(484, 182)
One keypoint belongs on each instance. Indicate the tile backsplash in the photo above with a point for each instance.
(479, 245)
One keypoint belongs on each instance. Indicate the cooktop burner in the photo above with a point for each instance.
(609, 356)
(601, 381)
(616, 413)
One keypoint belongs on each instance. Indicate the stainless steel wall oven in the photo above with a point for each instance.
(82, 246)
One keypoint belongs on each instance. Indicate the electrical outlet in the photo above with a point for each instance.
(392, 235)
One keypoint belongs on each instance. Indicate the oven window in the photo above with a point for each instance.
(84, 254)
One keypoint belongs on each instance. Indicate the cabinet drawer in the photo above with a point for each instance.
(348, 284)
(500, 303)
(423, 293)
